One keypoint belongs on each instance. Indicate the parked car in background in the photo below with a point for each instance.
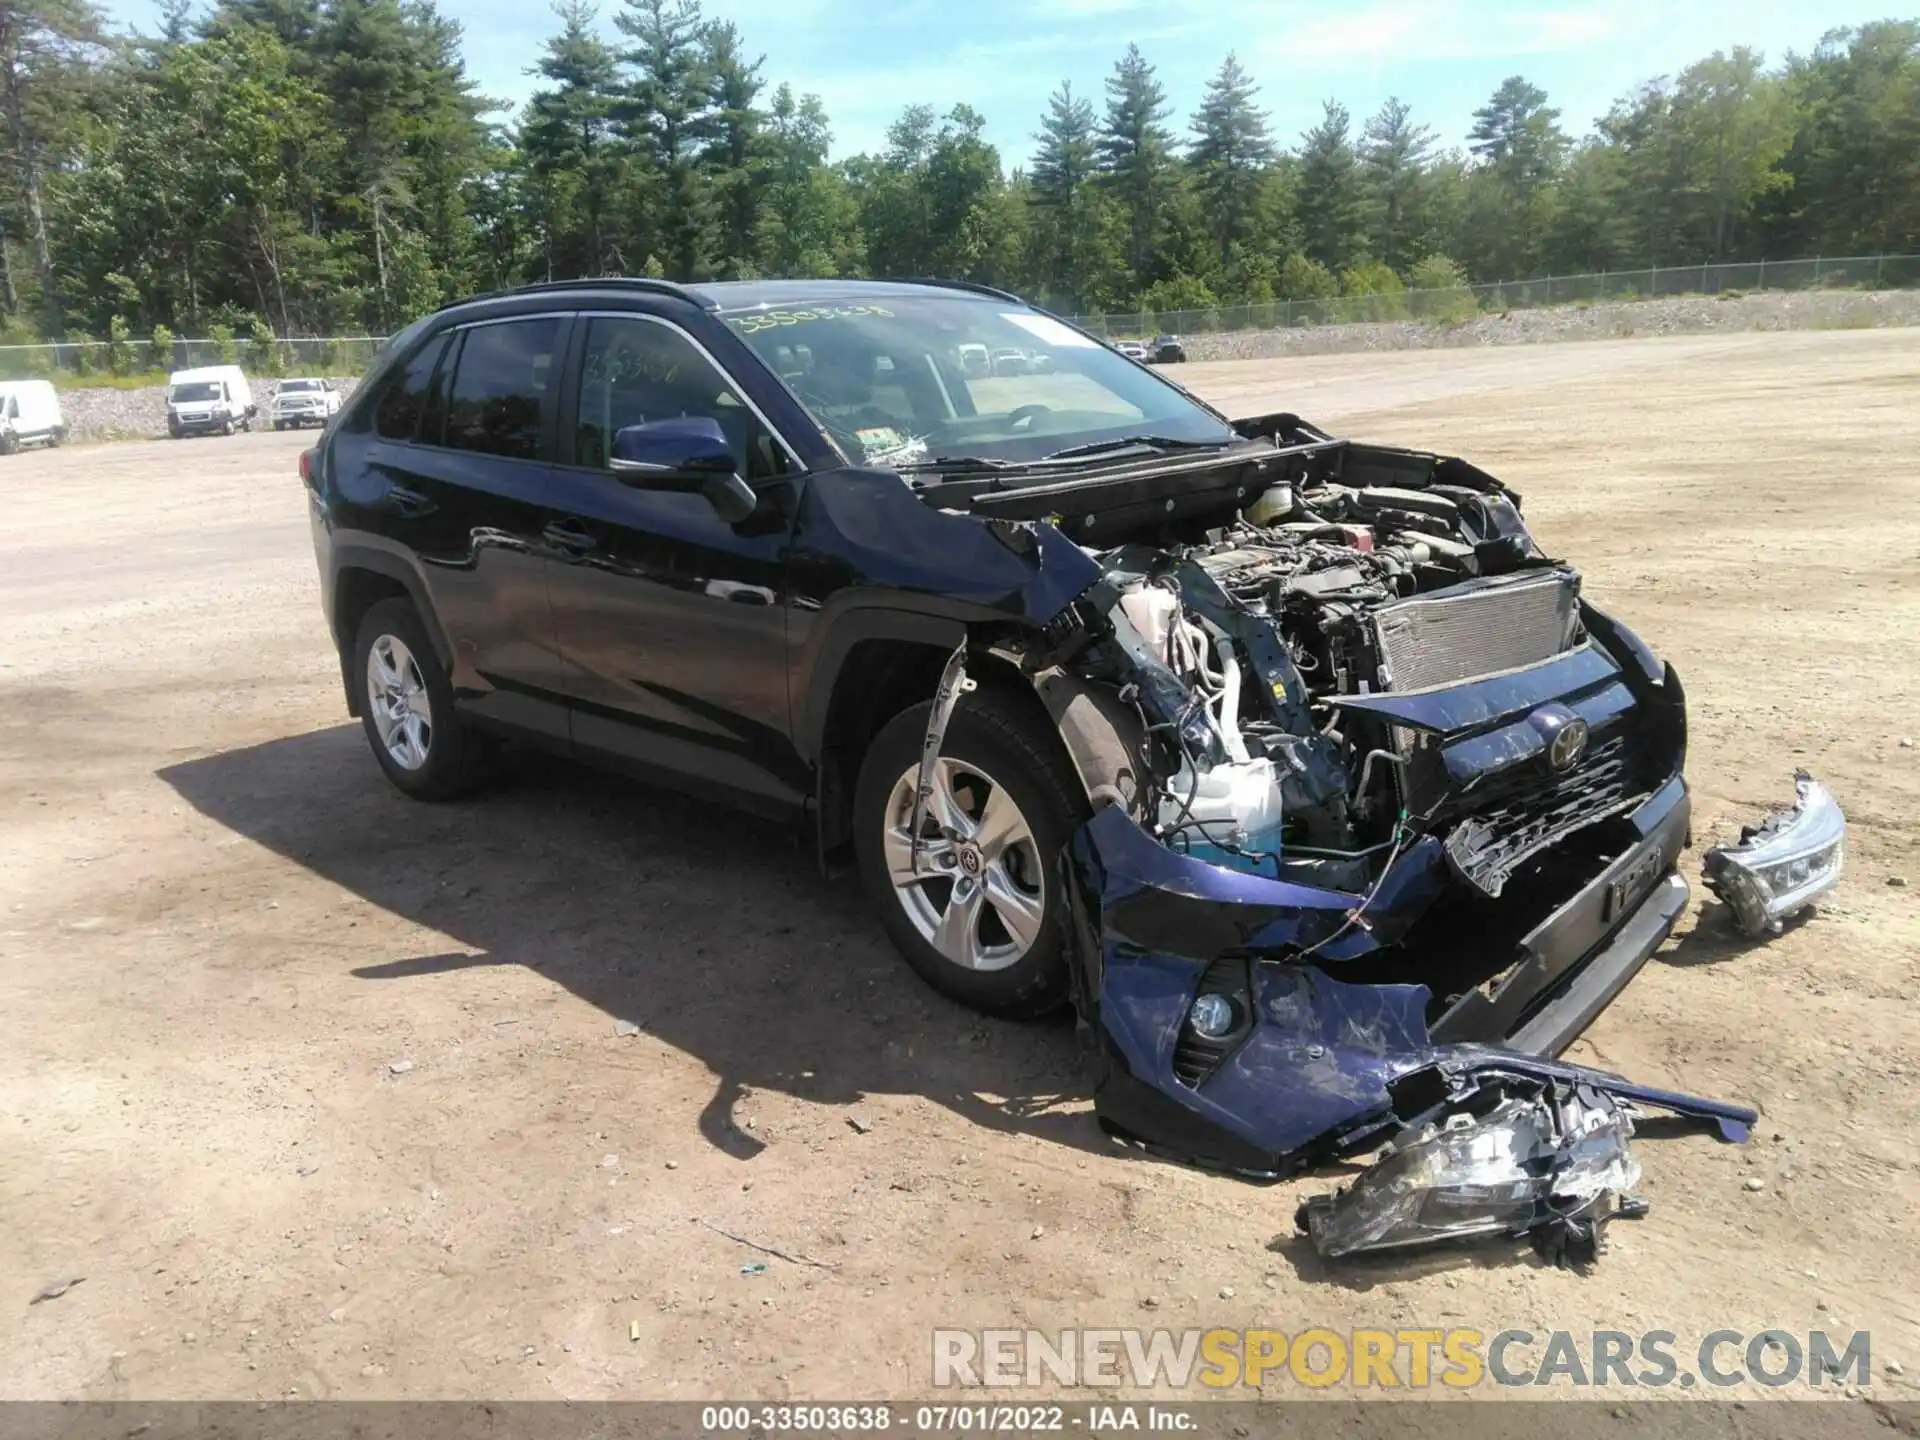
(210, 399)
(29, 415)
(974, 359)
(1011, 362)
(1132, 349)
(1166, 350)
(298, 403)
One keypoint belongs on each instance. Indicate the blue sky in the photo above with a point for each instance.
(1003, 57)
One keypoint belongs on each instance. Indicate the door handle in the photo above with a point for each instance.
(570, 534)
(410, 504)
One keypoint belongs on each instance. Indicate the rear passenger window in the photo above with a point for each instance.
(502, 388)
(397, 417)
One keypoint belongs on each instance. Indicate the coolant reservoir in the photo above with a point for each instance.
(1270, 504)
(1235, 805)
(1153, 611)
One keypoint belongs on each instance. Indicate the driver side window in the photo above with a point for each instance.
(638, 371)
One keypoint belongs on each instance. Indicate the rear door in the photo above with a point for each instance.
(671, 620)
(461, 468)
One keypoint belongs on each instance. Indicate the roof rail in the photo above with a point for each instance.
(607, 282)
(967, 285)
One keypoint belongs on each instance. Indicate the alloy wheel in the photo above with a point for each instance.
(975, 888)
(398, 700)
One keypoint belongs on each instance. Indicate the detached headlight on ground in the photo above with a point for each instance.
(1781, 865)
(1552, 1165)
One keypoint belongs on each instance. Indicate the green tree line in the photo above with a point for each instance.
(326, 166)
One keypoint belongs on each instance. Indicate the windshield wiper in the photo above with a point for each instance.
(1136, 442)
(957, 465)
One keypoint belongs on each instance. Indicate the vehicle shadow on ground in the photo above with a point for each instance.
(711, 930)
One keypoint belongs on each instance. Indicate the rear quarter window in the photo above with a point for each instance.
(397, 414)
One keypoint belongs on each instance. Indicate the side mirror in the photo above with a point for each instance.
(684, 455)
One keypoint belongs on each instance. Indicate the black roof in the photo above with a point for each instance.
(728, 295)
(735, 295)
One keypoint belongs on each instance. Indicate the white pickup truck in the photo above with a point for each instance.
(298, 403)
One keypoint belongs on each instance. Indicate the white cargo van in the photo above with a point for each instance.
(211, 398)
(29, 415)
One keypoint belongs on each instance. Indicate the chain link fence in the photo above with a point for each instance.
(75, 361)
(1463, 302)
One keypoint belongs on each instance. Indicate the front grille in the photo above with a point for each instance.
(1490, 844)
(1478, 628)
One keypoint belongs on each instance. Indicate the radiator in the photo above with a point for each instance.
(1478, 628)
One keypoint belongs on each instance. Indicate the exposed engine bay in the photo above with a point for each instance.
(1271, 660)
(1318, 597)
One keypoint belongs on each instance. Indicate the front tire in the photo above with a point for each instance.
(406, 707)
(980, 914)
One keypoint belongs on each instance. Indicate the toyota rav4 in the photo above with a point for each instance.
(1293, 762)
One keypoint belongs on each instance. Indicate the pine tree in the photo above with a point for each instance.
(669, 116)
(569, 143)
(1068, 154)
(1517, 138)
(1329, 203)
(1136, 157)
(736, 159)
(1063, 197)
(1231, 148)
(1393, 156)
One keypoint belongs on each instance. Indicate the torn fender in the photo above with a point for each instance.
(1314, 1067)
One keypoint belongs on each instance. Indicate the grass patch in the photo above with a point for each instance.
(69, 380)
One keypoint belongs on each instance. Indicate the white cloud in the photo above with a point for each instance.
(1371, 35)
(1425, 30)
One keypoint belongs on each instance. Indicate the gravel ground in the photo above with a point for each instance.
(1680, 315)
(115, 414)
(332, 1094)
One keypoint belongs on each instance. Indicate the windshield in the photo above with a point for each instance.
(291, 387)
(195, 390)
(913, 379)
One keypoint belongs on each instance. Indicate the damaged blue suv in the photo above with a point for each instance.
(1326, 796)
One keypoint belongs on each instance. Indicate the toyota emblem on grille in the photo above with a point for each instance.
(1568, 746)
(1565, 734)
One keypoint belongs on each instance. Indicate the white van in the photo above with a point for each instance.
(29, 415)
(213, 397)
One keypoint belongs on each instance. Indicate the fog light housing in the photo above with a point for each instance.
(1211, 1017)
(1782, 864)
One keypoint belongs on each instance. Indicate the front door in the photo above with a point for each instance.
(671, 620)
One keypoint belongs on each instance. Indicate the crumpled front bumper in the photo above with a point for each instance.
(1311, 1069)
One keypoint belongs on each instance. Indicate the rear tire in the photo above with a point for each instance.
(1010, 794)
(406, 707)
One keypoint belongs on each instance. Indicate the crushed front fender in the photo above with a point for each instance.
(1311, 1067)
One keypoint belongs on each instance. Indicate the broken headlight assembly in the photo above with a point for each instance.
(1782, 864)
(1550, 1163)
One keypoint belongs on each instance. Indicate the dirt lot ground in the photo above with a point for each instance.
(322, 1091)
